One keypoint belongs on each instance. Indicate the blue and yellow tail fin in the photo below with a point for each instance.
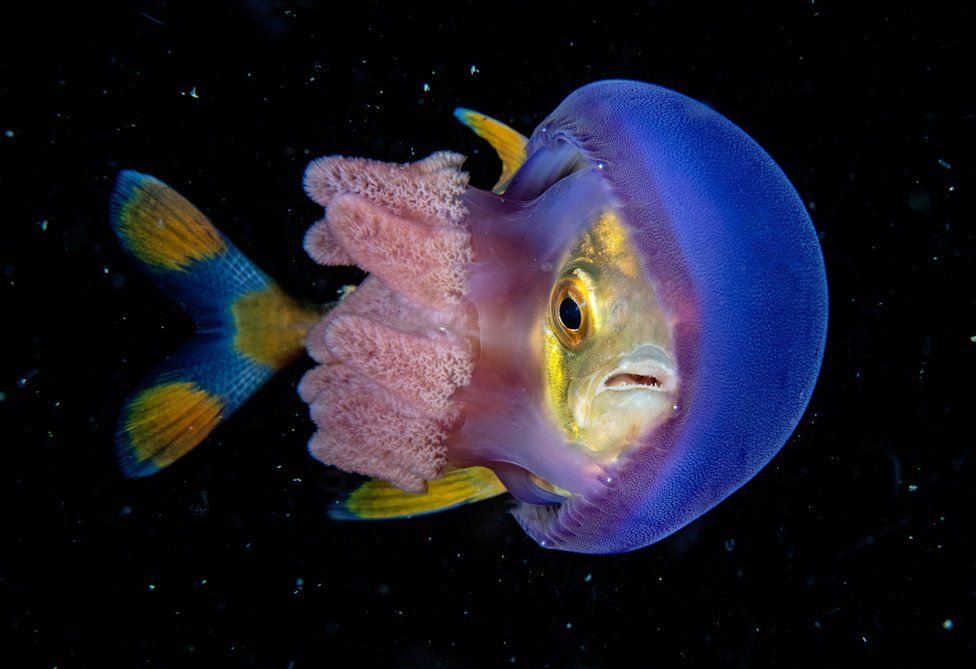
(378, 500)
(247, 328)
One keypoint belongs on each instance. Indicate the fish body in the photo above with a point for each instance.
(619, 334)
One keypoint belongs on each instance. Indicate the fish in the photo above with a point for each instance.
(618, 334)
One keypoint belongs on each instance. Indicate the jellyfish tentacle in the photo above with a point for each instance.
(425, 263)
(313, 381)
(429, 190)
(376, 300)
(365, 428)
(423, 370)
(322, 246)
(394, 350)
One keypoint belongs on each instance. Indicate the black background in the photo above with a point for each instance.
(853, 547)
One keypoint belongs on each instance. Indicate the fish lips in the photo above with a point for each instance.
(648, 368)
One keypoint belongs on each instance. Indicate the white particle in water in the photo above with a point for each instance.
(8, 133)
(947, 624)
(474, 69)
(426, 87)
(193, 93)
(912, 487)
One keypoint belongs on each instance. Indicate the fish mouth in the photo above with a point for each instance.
(631, 399)
(648, 368)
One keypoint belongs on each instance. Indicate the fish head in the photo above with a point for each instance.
(608, 366)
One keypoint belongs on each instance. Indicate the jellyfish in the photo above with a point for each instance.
(620, 334)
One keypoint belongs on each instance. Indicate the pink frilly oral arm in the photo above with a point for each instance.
(423, 261)
(428, 190)
(422, 370)
(365, 428)
(394, 351)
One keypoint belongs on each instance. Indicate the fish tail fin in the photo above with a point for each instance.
(247, 328)
(378, 500)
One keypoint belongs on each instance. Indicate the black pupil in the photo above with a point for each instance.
(569, 314)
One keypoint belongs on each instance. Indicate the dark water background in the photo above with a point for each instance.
(854, 547)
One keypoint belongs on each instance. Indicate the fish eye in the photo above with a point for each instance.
(569, 311)
(569, 314)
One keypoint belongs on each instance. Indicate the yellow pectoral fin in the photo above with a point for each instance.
(378, 500)
(508, 143)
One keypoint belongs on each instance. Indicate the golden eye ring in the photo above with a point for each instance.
(570, 311)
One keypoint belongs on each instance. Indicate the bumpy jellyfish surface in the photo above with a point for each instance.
(625, 335)
(395, 350)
